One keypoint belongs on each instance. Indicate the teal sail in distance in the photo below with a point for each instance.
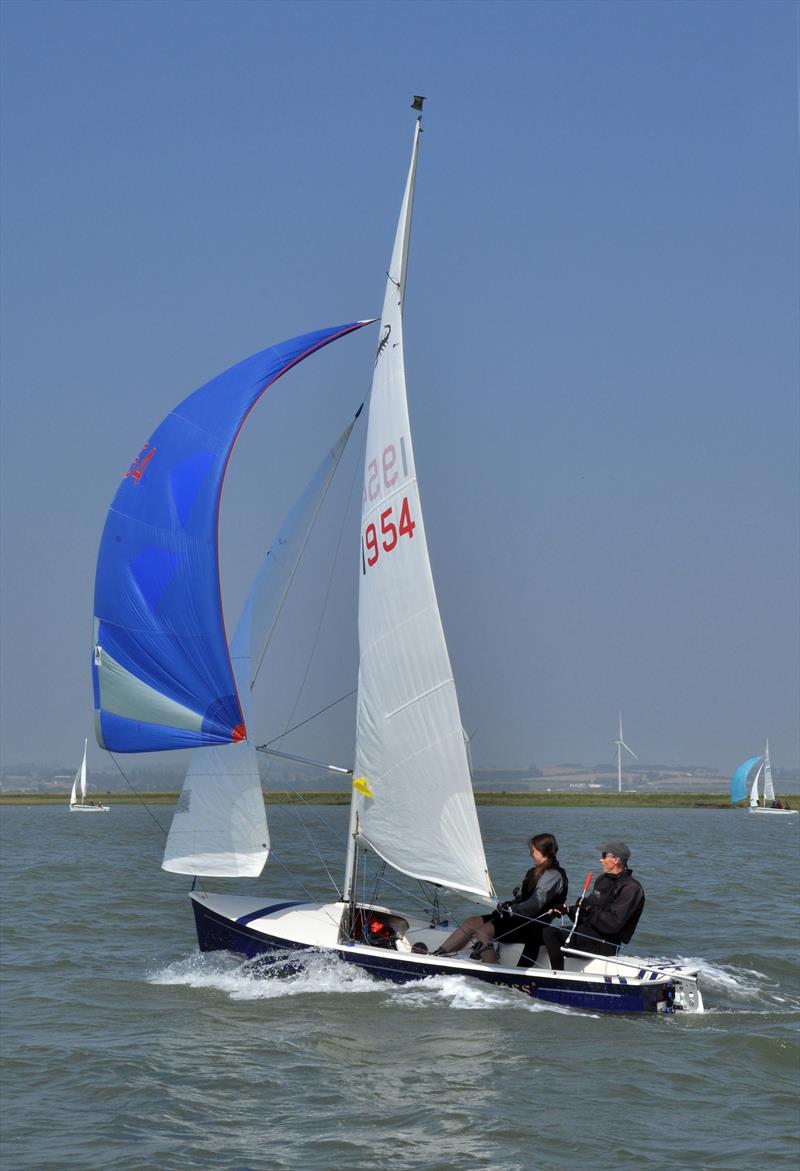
(161, 670)
(739, 786)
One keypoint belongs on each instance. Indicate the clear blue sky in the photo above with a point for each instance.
(602, 334)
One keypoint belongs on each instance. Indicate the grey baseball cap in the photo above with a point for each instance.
(618, 849)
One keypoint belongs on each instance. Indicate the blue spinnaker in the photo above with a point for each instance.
(162, 672)
(739, 786)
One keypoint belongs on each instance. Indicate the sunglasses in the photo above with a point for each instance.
(608, 854)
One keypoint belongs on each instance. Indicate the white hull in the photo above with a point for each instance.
(766, 809)
(252, 928)
(89, 808)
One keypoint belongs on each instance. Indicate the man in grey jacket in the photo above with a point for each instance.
(606, 917)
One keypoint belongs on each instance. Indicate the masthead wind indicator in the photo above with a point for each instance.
(417, 103)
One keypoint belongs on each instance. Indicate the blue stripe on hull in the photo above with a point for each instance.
(266, 911)
(217, 933)
(553, 990)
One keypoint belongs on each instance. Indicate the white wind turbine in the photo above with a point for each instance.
(620, 745)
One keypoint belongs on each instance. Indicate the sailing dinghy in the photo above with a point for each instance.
(77, 798)
(164, 678)
(763, 799)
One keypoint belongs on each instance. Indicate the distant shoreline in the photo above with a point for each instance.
(317, 797)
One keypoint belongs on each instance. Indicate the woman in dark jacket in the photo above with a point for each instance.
(544, 886)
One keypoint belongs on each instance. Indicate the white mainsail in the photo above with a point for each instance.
(769, 788)
(754, 786)
(415, 807)
(219, 827)
(80, 779)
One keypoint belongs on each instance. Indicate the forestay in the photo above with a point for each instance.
(414, 804)
(219, 827)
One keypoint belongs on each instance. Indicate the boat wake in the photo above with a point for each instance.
(460, 992)
(263, 979)
(315, 972)
(732, 988)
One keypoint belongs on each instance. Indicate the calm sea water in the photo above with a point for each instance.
(124, 1048)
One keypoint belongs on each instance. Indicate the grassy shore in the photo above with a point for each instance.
(544, 800)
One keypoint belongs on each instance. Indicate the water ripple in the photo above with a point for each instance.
(125, 1048)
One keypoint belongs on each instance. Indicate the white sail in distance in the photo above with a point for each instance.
(79, 784)
(413, 803)
(754, 786)
(769, 788)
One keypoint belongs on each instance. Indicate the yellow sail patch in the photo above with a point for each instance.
(360, 783)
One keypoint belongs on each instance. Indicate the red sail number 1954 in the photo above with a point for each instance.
(392, 529)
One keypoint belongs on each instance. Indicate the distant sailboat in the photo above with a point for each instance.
(77, 800)
(740, 776)
(767, 803)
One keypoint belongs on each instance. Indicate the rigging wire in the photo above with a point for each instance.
(309, 531)
(277, 858)
(366, 901)
(311, 838)
(137, 795)
(424, 899)
(309, 661)
(321, 712)
(334, 566)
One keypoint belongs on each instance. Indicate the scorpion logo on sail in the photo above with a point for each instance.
(383, 343)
